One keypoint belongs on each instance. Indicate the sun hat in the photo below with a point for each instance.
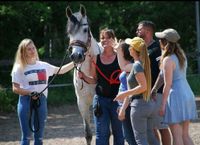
(136, 43)
(170, 34)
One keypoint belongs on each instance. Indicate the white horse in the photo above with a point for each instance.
(83, 46)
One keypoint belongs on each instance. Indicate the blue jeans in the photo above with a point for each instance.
(23, 109)
(127, 128)
(109, 117)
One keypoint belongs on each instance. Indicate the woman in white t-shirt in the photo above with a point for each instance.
(29, 78)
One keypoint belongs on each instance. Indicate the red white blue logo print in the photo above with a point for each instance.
(36, 77)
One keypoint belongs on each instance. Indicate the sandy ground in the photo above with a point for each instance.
(64, 127)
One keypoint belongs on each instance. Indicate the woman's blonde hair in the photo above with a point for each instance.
(139, 45)
(144, 57)
(20, 56)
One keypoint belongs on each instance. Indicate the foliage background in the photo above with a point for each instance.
(45, 23)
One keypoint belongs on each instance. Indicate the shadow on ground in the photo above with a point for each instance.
(62, 122)
(64, 127)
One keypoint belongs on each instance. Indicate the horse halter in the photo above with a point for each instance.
(81, 43)
(82, 47)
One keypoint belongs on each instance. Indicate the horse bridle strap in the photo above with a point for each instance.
(78, 43)
(81, 43)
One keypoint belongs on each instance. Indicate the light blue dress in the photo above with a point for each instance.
(181, 104)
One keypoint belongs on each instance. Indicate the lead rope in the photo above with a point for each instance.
(78, 69)
(35, 104)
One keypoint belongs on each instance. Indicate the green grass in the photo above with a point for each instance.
(66, 95)
(61, 95)
(8, 100)
(194, 81)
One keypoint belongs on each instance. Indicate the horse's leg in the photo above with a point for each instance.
(84, 108)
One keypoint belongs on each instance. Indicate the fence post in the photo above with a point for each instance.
(198, 33)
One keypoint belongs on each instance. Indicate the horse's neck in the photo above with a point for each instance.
(93, 51)
(95, 48)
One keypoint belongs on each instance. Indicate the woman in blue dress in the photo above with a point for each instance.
(178, 104)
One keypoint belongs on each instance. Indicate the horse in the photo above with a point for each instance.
(82, 47)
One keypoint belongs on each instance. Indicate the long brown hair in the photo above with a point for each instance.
(173, 48)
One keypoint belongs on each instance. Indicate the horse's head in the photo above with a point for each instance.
(79, 34)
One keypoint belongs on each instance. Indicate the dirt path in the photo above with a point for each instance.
(64, 127)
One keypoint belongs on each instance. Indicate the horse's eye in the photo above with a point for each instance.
(85, 30)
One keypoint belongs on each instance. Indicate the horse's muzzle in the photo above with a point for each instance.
(77, 55)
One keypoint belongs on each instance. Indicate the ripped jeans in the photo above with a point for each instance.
(23, 109)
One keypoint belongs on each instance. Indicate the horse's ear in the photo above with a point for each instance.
(68, 12)
(82, 10)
